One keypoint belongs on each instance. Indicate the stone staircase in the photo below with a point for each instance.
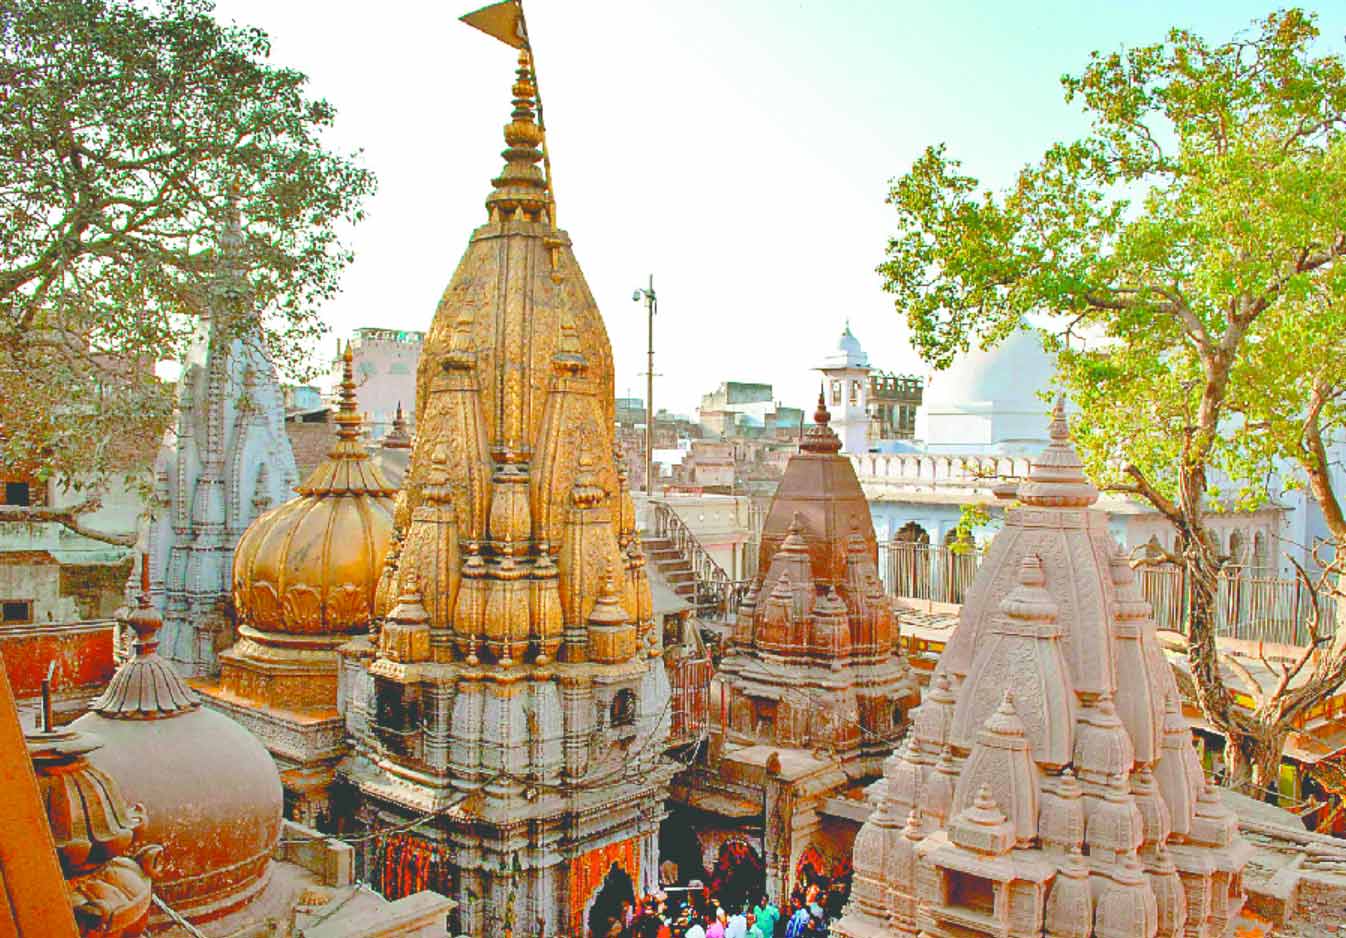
(673, 565)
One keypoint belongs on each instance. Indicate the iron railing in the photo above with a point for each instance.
(916, 570)
(1254, 608)
(690, 705)
(713, 586)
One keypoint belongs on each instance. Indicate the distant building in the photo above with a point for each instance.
(734, 405)
(385, 370)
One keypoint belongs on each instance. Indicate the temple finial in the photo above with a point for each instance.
(348, 415)
(1056, 478)
(821, 438)
(520, 189)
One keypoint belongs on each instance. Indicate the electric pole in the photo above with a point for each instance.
(651, 307)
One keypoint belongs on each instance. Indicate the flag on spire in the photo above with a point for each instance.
(502, 20)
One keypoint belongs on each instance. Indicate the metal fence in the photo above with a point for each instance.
(1255, 608)
(917, 570)
(1251, 607)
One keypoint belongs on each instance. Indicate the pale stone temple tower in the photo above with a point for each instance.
(1049, 785)
(224, 462)
(514, 698)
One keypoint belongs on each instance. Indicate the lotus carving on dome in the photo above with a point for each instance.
(347, 607)
(303, 609)
(264, 606)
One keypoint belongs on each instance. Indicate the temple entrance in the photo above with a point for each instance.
(739, 876)
(819, 882)
(607, 913)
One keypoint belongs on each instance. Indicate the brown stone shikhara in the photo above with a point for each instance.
(811, 670)
(1049, 785)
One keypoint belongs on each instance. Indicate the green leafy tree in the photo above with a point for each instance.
(127, 130)
(1185, 259)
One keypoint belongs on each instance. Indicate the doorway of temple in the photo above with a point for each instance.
(739, 876)
(607, 914)
(819, 882)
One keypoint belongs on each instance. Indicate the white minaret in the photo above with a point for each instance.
(846, 384)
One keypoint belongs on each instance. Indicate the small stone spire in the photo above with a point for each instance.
(347, 469)
(398, 437)
(821, 438)
(146, 687)
(1057, 477)
(230, 281)
(520, 189)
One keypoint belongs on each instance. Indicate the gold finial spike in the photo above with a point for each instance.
(348, 415)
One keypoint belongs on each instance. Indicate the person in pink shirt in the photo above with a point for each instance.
(716, 929)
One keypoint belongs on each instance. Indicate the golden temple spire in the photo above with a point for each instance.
(520, 189)
(347, 469)
(506, 21)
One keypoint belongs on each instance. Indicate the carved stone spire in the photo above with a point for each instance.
(821, 438)
(397, 437)
(146, 687)
(1057, 477)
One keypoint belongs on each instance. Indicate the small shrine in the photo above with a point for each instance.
(304, 580)
(225, 461)
(812, 694)
(511, 698)
(1049, 784)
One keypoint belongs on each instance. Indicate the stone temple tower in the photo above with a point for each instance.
(1049, 785)
(515, 692)
(224, 462)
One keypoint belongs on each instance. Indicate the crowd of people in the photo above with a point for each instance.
(699, 913)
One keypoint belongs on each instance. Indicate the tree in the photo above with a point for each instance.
(1185, 260)
(127, 133)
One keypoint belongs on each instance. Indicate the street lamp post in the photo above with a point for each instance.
(651, 307)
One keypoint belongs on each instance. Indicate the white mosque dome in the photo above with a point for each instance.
(849, 354)
(988, 399)
(1007, 376)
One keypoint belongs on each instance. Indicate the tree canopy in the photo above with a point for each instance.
(127, 132)
(1184, 258)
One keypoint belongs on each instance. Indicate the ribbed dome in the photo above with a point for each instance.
(849, 354)
(311, 565)
(1008, 375)
(210, 791)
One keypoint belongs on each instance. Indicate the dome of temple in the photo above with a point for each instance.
(848, 353)
(210, 792)
(311, 566)
(1008, 375)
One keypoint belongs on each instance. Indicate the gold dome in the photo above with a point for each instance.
(311, 565)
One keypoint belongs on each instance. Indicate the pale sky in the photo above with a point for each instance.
(738, 150)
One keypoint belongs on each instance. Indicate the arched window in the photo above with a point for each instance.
(1236, 548)
(855, 392)
(623, 710)
(836, 393)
